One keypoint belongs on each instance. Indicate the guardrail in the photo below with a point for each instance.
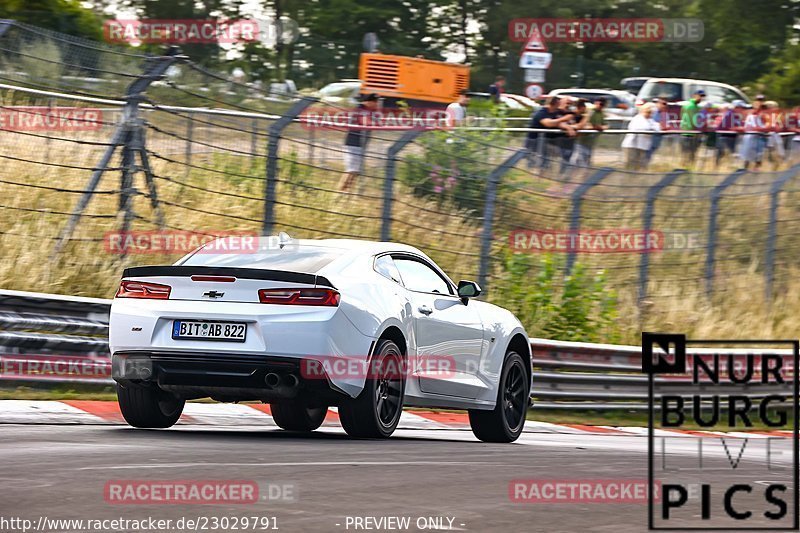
(64, 339)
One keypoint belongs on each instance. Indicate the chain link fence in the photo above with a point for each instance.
(97, 140)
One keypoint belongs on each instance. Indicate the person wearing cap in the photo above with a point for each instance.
(356, 140)
(690, 122)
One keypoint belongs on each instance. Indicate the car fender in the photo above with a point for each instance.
(499, 326)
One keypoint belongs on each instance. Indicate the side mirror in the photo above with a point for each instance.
(468, 289)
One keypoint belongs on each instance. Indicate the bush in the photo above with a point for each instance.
(578, 307)
(453, 168)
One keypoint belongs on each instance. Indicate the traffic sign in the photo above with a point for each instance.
(535, 43)
(535, 60)
(534, 75)
(533, 91)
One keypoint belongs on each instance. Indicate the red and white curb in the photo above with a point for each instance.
(214, 414)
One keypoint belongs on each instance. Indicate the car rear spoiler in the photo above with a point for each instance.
(241, 273)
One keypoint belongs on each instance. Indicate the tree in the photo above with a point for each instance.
(66, 16)
(782, 82)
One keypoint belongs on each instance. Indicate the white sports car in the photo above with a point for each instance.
(307, 324)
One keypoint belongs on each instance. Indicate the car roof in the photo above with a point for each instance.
(579, 89)
(359, 246)
(615, 92)
(689, 80)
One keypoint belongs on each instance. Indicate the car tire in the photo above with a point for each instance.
(148, 406)
(297, 416)
(504, 423)
(376, 412)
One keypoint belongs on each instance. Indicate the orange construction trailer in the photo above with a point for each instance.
(410, 79)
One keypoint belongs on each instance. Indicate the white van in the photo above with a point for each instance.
(682, 89)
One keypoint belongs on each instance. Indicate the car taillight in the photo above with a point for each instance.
(139, 289)
(323, 297)
(217, 279)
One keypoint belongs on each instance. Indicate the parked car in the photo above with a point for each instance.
(515, 102)
(341, 93)
(679, 90)
(634, 85)
(306, 324)
(527, 103)
(618, 103)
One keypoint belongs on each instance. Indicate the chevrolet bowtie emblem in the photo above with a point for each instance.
(214, 294)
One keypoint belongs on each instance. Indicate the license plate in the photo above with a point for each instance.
(209, 330)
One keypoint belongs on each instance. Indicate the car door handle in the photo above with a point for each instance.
(425, 310)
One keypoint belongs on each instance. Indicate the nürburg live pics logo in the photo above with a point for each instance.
(733, 464)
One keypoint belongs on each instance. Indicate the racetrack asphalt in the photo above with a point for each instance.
(62, 471)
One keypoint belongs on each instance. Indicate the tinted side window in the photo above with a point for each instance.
(731, 95)
(419, 277)
(384, 265)
(667, 90)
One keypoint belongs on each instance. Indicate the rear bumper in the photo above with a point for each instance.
(274, 334)
(225, 377)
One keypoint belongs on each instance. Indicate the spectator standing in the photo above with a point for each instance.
(567, 110)
(774, 147)
(751, 151)
(661, 116)
(497, 89)
(586, 142)
(548, 117)
(637, 145)
(582, 152)
(729, 127)
(457, 111)
(690, 121)
(355, 142)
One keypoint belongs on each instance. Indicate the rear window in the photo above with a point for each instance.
(662, 89)
(292, 257)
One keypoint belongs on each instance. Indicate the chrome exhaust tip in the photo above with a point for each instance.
(272, 380)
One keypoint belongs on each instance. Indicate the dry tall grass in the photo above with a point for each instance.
(225, 193)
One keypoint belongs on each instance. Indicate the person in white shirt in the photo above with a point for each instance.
(457, 111)
(637, 145)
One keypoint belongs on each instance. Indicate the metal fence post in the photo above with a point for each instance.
(577, 201)
(4, 26)
(716, 196)
(253, 142)
(647, 223)
(769, 262)
(488, 212)
(275, 131)
(388, 181)
(189, 135)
